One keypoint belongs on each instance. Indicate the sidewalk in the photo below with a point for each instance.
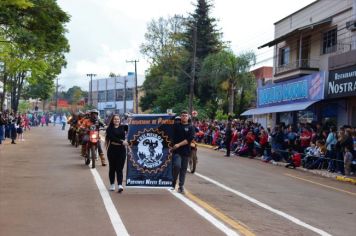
(323, 173)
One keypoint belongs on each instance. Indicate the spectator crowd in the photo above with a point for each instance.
(312, 146)
(14, 125)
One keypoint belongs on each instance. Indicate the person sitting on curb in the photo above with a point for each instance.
(295, 160)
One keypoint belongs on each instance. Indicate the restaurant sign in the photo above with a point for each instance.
(342, 83)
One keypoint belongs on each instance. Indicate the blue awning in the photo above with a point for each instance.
(280, 108)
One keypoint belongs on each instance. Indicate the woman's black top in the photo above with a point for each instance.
(116, 135)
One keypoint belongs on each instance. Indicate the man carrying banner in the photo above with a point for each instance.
(182, 137)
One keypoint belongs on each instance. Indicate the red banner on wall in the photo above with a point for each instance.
(62, 103)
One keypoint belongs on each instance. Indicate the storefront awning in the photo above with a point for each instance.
(280, 108)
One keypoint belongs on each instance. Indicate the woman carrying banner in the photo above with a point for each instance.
(116, 151)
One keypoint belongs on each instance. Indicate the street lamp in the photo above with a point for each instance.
(91, 88)
(124, 83)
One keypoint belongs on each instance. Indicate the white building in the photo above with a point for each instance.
(110, 96)
(314, 67)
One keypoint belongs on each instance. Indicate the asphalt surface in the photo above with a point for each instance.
(45, 189)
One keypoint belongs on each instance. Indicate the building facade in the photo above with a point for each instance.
(113, 95)
(314, 66)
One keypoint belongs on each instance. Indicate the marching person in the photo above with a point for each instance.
(87, 123)
(116, 151)
(182, 137)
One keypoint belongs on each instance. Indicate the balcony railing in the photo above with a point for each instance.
(305, 64)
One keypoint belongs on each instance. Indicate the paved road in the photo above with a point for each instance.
(323, 203)
(45, 189)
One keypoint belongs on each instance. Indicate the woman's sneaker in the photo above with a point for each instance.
(120, 189)
(112, 187)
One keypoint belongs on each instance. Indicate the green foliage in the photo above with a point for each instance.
(208, 36)
(223, 83)
(74, 95)
(229, 74)
(32, 46)
(220, 115)
(24, 106)
(21, 4)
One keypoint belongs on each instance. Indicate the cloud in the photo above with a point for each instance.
(103, 34)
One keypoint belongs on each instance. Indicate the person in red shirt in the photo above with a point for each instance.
(250, 141)
(305, 138)
(295, 160)
(263, 141)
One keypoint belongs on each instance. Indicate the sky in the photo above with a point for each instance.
(105, 34)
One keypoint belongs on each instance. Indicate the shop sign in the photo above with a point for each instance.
(342, 83)
(303, 89)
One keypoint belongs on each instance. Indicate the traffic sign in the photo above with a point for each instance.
(194, 113)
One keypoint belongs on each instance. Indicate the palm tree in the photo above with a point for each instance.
(224, 68)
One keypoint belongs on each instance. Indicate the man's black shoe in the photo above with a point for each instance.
(181, 190)
(226, 155)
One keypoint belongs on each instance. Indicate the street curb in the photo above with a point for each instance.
(315, 172)
(346, 179)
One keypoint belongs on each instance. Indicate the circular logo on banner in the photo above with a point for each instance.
(150, 151)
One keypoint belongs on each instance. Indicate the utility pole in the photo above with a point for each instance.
(191, 93)
(56, 95)
(91, 88)
(136, 92)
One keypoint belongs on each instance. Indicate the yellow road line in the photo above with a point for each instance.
(232, 223)
(326, 186)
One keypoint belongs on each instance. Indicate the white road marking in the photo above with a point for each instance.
(218, 224)
(267, 207)
(116, 221)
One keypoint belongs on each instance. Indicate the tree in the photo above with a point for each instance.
(230, 72)
(112, 74)
(208, 41)
(74, 95)
(163, 39)
(162, 47)
(32, 36)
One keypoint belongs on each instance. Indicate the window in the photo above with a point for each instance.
(110, 95)
(306, 116)
(284, 56)
(129, 94)
(329, 41)
(120, 94)
(101, 96)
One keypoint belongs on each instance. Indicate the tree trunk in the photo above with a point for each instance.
(2, 99)
(19, 88)
(231, 98)
(242, 97)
